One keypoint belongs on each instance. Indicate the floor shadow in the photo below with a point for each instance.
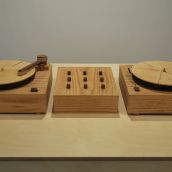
(85, 115)
(22, 116)
(150, 117)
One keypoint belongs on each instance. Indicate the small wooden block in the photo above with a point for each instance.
(30, 98)
(142, 100)
(85, 95)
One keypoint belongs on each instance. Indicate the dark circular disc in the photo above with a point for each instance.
(150, 85)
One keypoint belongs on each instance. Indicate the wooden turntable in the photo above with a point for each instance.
(85, 89)
(25, 87)
(147, 87)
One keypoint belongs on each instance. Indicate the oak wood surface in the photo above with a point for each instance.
(146, 100)
(22, 100)
(91, 89)
(155, 72)
(50, 136)
(9, 70)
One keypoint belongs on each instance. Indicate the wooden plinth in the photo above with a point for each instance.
(145, 101)
(22, 100)
(85, 89)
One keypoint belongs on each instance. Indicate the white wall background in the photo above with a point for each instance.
(101, 31)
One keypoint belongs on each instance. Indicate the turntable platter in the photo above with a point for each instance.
(157, 73)
(8, 74)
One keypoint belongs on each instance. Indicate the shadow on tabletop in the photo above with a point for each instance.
(22, 116)
(150, 117)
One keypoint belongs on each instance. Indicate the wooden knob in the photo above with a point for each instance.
(85, 86)
(68, 72)
(69, 79)
(100, 73)
(34, 89)
(102, 86)
(68, 86)
(85, 79)
(84, 72)
(101, 79)
(42, 58)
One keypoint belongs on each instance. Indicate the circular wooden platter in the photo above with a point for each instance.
(9, 77)
(155, 73)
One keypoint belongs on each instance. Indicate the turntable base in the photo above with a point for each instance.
(141, 100)
(30, 98)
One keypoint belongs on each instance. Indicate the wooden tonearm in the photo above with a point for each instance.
(40, 64)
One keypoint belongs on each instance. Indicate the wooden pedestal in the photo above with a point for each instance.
(22, 100)
(85, 89)
(145, 101)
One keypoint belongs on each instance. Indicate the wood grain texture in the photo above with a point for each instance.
(100, 94)
(145, 101)
(155, 72)
(22, 100)
(9, 70)
(50, 137)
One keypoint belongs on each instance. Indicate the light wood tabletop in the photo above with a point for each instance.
(84, 136)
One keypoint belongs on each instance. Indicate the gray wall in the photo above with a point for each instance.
(100, 31)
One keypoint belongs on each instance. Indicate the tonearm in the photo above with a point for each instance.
(40, 64)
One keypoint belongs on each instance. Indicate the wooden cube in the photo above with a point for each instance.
(85, 89)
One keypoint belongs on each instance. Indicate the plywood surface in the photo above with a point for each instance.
(50, 136)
